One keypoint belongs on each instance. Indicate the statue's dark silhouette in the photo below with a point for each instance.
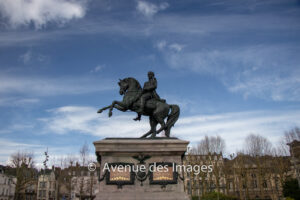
(146, 102)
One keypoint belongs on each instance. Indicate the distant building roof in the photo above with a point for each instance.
(294, 143)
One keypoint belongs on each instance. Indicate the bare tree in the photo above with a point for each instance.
(23, 162)
(210, 144)
(291, 135)
(210, 148)
(84, 156)
(282, 149)
(256, 145)
(260, 151)
(64, 176)
(282, 163)
(84, 153)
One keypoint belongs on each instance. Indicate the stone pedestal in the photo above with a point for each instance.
(141, 152)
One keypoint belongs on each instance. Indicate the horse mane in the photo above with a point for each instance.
(130, 79)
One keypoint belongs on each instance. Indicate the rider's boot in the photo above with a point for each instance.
(140, 110)
(138, 118)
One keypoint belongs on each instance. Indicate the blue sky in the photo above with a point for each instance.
(232, 66)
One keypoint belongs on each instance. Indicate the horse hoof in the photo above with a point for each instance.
(99, 111)
(109, 114)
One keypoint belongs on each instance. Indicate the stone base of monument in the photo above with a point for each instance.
(140, 169)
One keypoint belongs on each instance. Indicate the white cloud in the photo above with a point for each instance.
(198, 61)
(86, 120)
(149, 9)
(176, 47)
(269, 86)
(41, 12)
(233, 127)
(12, 101)
(26, 57)
(252, 70)
(9, 147)
(188, 27)
(186, 104)
(29, 56)
(97, 68)
(161, 44)
(205, 26)
(51, 86)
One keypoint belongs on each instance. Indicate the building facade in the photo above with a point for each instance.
(243, 176)
(295, 158)
(47, 186)
(84, 185)
(30, 191)
(7, 186)
(197, 183)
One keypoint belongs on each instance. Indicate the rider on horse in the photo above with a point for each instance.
(158, 111)
(149, 92)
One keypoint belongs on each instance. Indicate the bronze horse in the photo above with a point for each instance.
(157, 110)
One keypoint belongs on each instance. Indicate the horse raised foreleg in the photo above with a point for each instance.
(119, 104)
(102, 109)
(115, 104)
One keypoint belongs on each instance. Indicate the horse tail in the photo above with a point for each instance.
(172, 118)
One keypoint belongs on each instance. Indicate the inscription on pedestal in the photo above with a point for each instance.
(163, 173)
(120, 174)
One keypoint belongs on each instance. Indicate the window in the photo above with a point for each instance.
(254, 183)
(189, 187)
(265, 185)
(230, 185)
(42, 184)
(276, 184)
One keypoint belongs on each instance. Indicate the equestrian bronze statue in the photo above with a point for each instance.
(145, 101)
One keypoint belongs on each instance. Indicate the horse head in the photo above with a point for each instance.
(129, 84)
(123, 86)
